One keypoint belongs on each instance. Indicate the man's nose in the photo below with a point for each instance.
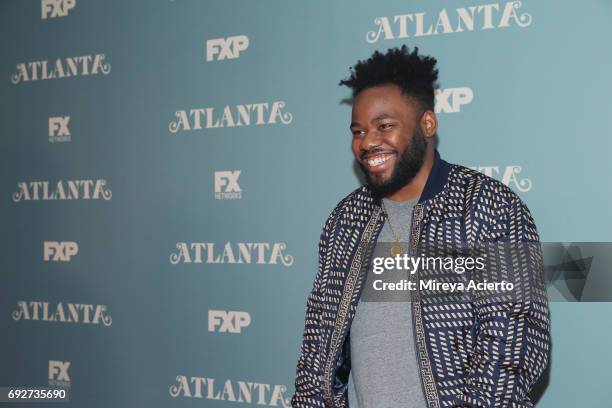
(371, 140)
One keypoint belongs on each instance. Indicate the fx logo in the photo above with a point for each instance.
(58, 370)
(56, 8)
(227, 48)
(59, 251)
(226, 185)
(58, 129)
(449, 100)
(229, 322)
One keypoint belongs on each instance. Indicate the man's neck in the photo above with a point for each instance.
(414, 189)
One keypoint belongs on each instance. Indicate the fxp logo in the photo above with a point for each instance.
(56, 8)
(227, 322)
(226, 48)
(450, 100)
(59, 251)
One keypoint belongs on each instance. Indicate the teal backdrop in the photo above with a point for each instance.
(167, 165)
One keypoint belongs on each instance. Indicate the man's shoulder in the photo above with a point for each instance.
(490, 199)
(470, 186)
(359, 202)
(483, 188)
(358, 197)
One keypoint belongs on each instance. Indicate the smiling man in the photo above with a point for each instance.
(463, 350)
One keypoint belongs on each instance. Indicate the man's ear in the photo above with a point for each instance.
(429, 124)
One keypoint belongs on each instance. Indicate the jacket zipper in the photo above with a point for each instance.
(417, 214)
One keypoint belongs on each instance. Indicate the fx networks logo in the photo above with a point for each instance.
(226, 48)
(227, 322)
(58, 373)
(450, 100)
(56, 8)
(510, 176)
(59, 251)
(226, 185)
(58, 129)
(245, 392)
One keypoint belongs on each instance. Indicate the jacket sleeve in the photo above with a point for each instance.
(309, 374)
(512, 333)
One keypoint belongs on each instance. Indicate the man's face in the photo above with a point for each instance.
(388, 142)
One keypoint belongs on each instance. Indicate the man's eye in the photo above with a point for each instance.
(384, 126)
(358, 133)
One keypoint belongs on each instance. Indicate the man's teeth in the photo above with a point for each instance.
(376, 161)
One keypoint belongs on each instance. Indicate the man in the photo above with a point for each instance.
(468, 349)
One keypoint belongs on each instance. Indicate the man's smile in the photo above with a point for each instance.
(378, 162)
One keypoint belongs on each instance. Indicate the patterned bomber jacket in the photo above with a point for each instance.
(472, 352)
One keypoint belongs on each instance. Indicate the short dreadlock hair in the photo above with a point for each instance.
(415, 74)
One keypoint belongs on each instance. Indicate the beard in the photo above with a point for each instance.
(406, 168)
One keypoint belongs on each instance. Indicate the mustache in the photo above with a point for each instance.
(376, 150)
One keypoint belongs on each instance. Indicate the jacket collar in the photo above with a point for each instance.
(437, 177)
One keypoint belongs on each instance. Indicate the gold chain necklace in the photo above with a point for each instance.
(396, 249)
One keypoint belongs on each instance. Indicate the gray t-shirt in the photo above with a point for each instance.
(384, 367)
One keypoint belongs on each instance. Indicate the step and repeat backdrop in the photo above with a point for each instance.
(166, 167)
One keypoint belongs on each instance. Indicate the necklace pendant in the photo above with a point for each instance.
(395, 250)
